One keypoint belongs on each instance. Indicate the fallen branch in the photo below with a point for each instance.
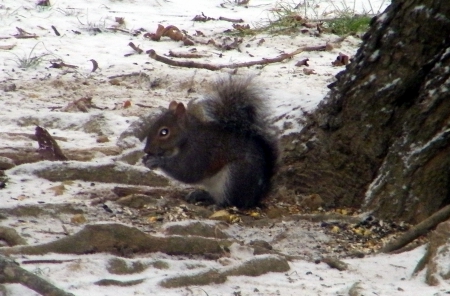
(418, 230)
(13, 273)
(191, 64)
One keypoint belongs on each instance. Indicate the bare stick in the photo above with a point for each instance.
(187, 64)
(191, 64)
(418, 230)
(231, 20)
(186, 55)
(136, 49)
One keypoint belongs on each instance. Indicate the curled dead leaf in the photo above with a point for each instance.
(303, 62)
(94, 65)
(120, 20)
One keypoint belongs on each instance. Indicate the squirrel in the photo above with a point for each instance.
(230, 148)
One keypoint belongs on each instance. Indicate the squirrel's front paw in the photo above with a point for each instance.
(150, 161)
(199, 196)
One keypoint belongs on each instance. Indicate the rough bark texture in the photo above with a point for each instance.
(380, 140)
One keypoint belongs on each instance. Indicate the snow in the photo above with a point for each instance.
(41, 91)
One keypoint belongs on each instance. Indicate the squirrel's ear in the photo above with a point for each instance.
(173, 105)
(180, 110)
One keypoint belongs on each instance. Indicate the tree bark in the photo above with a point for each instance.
(380, 139)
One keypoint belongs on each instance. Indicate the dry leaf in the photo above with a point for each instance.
(21, 197)
(59, 190)
(78, 219)
(222, 215)
(308, 71)
(94, 65)
(120, 20)
(341, 60)
(303, 62)
(127, 104)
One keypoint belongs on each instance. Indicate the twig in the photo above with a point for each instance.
(129, 75)
(191, 64)
(24, 34)
(186, 55)
(418, 230)
(48, 261)
(135, 48)
(56, 31)
(231, 20)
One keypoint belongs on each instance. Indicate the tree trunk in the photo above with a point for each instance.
(380, 139)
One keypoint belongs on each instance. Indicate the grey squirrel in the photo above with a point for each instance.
(230, 149)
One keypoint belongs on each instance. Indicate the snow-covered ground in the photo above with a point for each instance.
(93, 30)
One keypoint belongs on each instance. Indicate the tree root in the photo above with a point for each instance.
(418, 230)
(124, 241)
(11, 237)
(192, 64)
(253, 267)
(12, 273)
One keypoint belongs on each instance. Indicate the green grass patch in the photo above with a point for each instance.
(349, 24)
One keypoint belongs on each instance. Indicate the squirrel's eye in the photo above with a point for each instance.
(164, 132)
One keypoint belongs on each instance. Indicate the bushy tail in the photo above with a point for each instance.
(240, 107)
(237, 105)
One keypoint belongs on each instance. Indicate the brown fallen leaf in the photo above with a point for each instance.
(199, 33)
(241, 27)
(170, 31)
(58, 65)
(78, 219)
(59, 189)
(202, 18)
(303, 62)
(127, 104)
(82, 105)
(43, 3)
(48, 147)
(308, 71)
(341, 60)
(120, 20)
